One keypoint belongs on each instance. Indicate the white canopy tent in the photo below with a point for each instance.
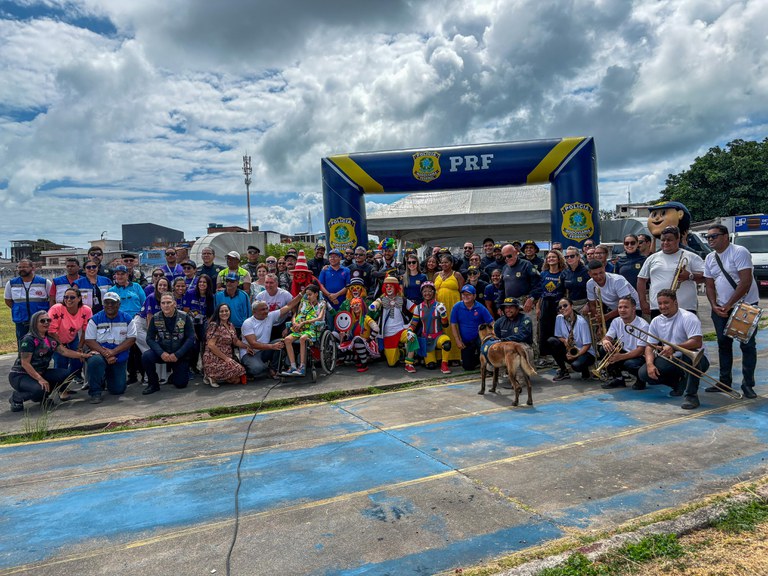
(451, 217)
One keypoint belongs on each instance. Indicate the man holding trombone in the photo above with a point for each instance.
(622, 350)
(674, 355)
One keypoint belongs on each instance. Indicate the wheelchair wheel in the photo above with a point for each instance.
(313, 373)
(328, 352)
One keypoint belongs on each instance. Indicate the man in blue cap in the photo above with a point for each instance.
(466, 316)
(238, 301)
(334, 279)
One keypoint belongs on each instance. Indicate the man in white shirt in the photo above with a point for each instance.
(726, 286)
(631, 354)
(275, 298)
(682, 328)
(660, 268)
(257, 332)
(610, 288)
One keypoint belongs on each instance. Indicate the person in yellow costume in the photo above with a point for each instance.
(448, 283)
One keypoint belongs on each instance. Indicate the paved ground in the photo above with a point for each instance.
(411, 482)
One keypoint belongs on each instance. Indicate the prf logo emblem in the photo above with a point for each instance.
(342, 233)
(577, 221)
(426, 166)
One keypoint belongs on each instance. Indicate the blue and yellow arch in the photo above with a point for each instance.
(568, 164)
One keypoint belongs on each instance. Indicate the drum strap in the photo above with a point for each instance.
(728, 276)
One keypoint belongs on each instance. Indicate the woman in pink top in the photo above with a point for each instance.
(68, 322)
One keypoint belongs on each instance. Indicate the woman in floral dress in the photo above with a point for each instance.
(219, 364)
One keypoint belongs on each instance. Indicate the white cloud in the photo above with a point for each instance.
(170, 103)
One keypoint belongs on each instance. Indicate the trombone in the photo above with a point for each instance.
(694, 356)
(601, 370)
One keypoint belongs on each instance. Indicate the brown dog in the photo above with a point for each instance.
(512, 355)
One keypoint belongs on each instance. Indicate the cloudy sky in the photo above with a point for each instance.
(115, 111)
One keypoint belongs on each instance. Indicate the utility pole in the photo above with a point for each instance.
(247, 171)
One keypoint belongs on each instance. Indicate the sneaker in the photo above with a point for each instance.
(16, 406)
(364, 368)
(132, 379)
(408, 368)
(749, 391)
(77, 380)
(444, 368)
(96, 399)
(615, 383)
(84, 386)
(690, 403)
(300, 371)
(543, 363)
(638, 385)
(289, 371)
(561, 375)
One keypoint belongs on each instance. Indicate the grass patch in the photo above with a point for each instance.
(7, 329)
(709, 337)
(335, 395)
(743, 517)
(577, 565)
(626, 560)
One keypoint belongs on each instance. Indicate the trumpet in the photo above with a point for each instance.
(601, 370)
(693, 355)
(681, 265)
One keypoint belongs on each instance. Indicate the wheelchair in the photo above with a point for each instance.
(321, 354)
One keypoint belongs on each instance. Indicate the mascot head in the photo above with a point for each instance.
(669, 214)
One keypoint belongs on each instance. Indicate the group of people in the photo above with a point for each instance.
(229, 323)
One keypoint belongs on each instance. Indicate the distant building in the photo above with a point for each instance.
(32, 249)
(639, 210)
(137, 237)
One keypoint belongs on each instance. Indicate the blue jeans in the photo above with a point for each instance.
(69, 364)
(115, 374)
(725, 354)
(259, 364)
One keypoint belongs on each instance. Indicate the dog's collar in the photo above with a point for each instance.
(489, 337)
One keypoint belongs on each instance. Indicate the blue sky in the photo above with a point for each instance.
(122, 112)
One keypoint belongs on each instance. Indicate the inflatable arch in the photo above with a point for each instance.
(569, 164)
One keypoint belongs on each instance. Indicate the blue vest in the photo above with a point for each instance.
(27, 302)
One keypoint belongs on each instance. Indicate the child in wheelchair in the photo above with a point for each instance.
(305, 329)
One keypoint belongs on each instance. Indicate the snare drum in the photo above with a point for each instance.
(743, 322)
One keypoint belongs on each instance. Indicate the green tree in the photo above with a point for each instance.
(723, 182)
(279, 250)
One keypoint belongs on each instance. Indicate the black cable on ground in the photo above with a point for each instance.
(239, 478)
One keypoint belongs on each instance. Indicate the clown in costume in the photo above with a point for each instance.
(429, 319)
(302, 275)
(395, 311)
(355, 289)
(361, 337)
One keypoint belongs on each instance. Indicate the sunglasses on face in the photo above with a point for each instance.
(45, 320)
(69, 297)
(713, 236)
(91, 267)
(562, 306)
(569, 256)
(509, 256)
(412, 262)
(158, 275)
(633, 243)
(98, 254)
(170, 253)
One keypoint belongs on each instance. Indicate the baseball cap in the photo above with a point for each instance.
(469, 288)
(114, 296)
(335, 251)
(189, 263)
(120, 268)
(510, 302)
(232, 277)
(233, 254)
